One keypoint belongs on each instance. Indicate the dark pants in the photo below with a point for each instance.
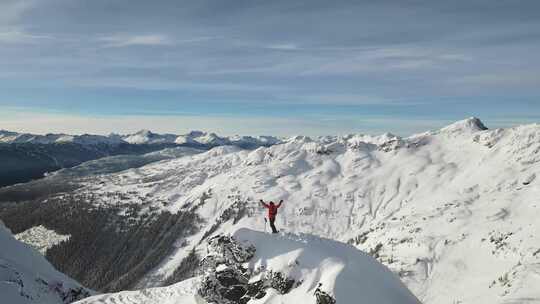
(272, 220)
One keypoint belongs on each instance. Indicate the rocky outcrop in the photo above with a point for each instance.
(226, 281)
(323, 297)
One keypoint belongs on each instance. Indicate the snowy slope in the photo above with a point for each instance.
(453, 212)
(345, 273)
(26, 277)
(339, 270)
(117, 163)
(184, 292)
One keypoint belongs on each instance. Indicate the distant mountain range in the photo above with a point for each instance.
(141, 137)
(24, 156)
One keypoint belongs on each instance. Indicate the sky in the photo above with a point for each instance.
(279, 67)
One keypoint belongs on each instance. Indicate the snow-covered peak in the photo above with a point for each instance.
(469, 125)
(144, 132)
(212, 139)
(196, 133)
(356, 139)
(269, 140)
(200, 137)
(299, 139)
(148, 137)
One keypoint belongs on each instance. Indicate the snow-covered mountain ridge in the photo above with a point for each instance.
(140, 137)
(24, 157)
(453, 212)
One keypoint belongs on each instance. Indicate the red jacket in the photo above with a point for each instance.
(272, 209)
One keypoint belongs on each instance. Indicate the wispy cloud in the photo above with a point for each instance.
(124, 40)
(284, 47)
(498, 79)
(380, 60)
(343, 99)
(18, 36)
(150, 83)
(134, 40)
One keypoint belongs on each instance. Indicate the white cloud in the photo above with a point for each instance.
(14, 36)
(498, 79)
(456, 57)
(150, 83)
(132, 40)
(342, 99)
(374, 60)
(284, 47)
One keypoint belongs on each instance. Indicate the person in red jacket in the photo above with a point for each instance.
(272, 211)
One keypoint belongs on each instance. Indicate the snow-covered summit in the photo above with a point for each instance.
(202, 138)
(212, 139)
(469, 125)
(257, 267)
(148, 137)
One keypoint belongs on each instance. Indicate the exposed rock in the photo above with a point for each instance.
(279, 282)
(322, 297)
(226, 281)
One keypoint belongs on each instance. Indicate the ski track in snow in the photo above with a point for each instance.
(436, 204)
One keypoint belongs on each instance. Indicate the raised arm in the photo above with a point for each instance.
(280, 202)
(264, 204)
